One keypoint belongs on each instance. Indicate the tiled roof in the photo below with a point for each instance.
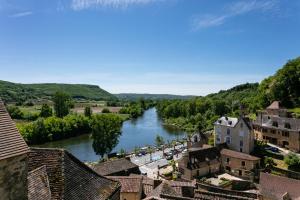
(274, 105)
(239, 155)
(129, 183)
(178, 185)
(11, 142)
(38, 184)
(274, 187)
(69, 178)
(163, 188)
(267, 121)
(114, 166)
(227, 121)
(205, 195)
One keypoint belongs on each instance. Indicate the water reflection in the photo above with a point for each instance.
(138, 132)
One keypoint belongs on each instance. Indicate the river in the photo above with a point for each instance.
(136, 132)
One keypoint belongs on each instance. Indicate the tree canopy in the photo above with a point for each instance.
(106, 130)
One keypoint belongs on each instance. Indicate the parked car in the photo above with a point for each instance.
(273, 149)
(169, 157)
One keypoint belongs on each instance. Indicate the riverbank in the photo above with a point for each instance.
(138, 132)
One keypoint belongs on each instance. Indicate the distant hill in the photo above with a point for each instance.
(16, 92)
(134, 96)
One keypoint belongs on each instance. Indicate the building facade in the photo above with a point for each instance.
(275, 125)
(237, 133)
(197, 162)
(13, 159)
(239, 164)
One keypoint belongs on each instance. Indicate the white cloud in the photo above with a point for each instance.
(86, 4)
(233, 10)
(21, 14)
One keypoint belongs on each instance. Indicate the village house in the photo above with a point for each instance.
(131, 187)
(237, 133)
(197, 162)
(13, 159)
(275, 125)
(240, 164)
(45, 174)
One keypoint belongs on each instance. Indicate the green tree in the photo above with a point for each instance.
(293, 161)
(269, 163)
(62, 104)
(88, 111)
(15, 112)
(46, 111)
(106, 130)
(122, 152)
(159, 140)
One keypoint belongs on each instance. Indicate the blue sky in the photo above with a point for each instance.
(147, 46)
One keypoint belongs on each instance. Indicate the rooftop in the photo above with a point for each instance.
(113, 166)
(69, 178)
(239, 155)
(11, 142)
(129, 183)
(38, 184)
(274, 187)
(227, 121)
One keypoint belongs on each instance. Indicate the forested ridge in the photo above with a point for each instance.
(200, 112)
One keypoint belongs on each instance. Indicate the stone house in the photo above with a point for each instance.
(13, 159)
(237, 133)
(275, 125)
(197, 162)
(239, 164)
(131, 187)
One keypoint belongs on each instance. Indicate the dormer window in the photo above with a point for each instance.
(230, 122)
(287, 125)
(275, 124)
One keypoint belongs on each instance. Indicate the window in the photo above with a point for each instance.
(242, 125)
(218, 139)
(240, 172)
(287, 125)
(274, 123)
(227, 160)
(241, 149)
(228, 131)
(285, 134)
(241, 133)
(241, 143)
(273, 131)
(228, 140)
(243, 163)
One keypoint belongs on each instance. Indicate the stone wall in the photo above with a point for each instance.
(13, 178)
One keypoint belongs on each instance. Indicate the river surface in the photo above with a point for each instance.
(136, 132)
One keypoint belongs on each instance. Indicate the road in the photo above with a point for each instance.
(150, 167)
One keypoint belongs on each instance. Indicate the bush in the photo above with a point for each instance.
(293, 161)
(105, 110)
(15, 112)
(54, 128)
(46, 111)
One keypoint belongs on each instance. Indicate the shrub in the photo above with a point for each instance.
(15, 112)
(105, 110)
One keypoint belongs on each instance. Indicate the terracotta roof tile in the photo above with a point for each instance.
(11, 142)
(129, 183)
(69, 178)
(239, 155)
(114, 166)
(274, 187)
(38, 184)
